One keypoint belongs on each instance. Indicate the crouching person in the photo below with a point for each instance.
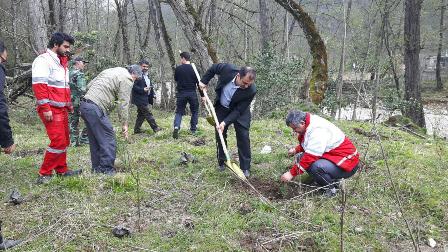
(328, 155)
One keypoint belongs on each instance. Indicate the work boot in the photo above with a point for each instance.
(44, 179)
(246, 173)
(70, 173)
(137, 131)
(176, 133)
(221, 168)
(157, 129)
(83, 141)
(330, 192)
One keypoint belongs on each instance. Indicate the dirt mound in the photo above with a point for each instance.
(275, 190)
(198, 142)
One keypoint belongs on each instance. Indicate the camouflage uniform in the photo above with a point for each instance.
(78, 89)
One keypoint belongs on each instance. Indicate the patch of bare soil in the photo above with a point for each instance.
(275, 190)
(269, 241)
(198, 142)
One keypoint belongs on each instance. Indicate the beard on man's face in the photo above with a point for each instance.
(61, 52)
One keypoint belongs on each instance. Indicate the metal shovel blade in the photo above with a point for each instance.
(236, 169)
(210, 120)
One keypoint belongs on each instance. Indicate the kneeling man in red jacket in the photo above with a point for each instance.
(327, 154)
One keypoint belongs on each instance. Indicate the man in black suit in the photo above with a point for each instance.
(143, 95)
(234, 94)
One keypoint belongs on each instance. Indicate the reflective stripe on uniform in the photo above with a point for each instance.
(53, 103)
(56, 151)
(347, 157)
(38, 80)
(43, 101)
(57, 84)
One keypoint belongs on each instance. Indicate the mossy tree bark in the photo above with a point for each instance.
(319, 74)
(204, 53)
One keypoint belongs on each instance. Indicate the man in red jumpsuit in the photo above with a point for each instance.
(50, 78)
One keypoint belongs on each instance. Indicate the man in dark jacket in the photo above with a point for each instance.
(143, 95)
(234, 94)
(6, 140)
(185, 93)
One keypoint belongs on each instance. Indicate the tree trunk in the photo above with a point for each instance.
(122, 12)
(319, 75)
(116, 43)
(266, 36)
(166, 37)
(38, 29)
(16, 51)
(414, 107)
(76, 16)
(138, 27)
(51, 17)
(340, 79)
(201, 46)
(376, 80)
(439, 50)
(62, 13)
(388, 31)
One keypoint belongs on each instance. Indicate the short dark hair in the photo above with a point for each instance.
(246, 70)
(143, 62)
(185, 55)
(295, 117)
(58, 38)
(2, 47)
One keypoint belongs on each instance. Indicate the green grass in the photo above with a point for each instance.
(73, 214)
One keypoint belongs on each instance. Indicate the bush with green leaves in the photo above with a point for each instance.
(278, 83)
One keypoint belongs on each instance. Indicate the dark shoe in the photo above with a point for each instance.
(193, 132)
(246, 173)
(176, 133)
(221, 168)
(44, 179)
(157, 129)
(70, 173)
(330, 192)
(84, 141)
(137, 131)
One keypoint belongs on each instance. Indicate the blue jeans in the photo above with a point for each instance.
(181, 103)
(325, 172)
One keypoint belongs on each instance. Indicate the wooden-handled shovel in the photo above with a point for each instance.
(209, 105)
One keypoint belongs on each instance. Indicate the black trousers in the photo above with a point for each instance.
(242, 140)
(325, 172)
(101, 137)
(143, 113)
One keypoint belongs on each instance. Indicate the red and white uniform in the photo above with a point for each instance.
(50, 78)
(322, 139)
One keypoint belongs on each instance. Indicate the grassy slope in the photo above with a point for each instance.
(193, 207)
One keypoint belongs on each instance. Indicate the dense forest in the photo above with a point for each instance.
(304, 50)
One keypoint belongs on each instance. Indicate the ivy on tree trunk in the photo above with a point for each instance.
(319, 75)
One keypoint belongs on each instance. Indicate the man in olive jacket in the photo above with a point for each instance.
(234, 94)
(111, 88)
